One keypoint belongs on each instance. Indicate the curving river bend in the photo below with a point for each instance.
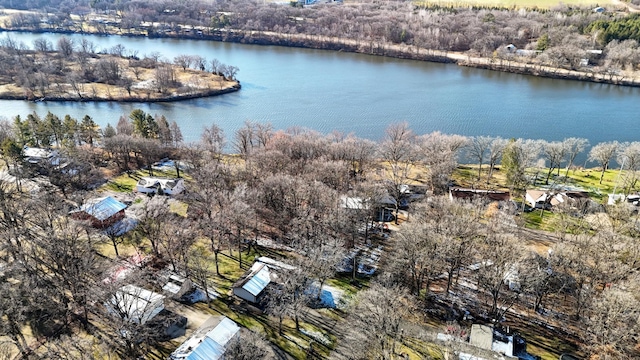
(362, 94)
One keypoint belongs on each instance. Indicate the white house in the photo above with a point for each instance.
(135, 304)
(541, 198)
(253, 283)
(153, 185)
(209, 342)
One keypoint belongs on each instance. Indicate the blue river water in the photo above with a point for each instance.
(361, 94)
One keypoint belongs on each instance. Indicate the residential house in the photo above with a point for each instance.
(156, 185)
(209, 342)
(101, 212)
(36, 155)
(547, 199)
(135, 304)
(529, 53)
(251, 286)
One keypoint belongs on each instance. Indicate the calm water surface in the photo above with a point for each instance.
(362, 94)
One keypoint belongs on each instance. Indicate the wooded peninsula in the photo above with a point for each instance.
(76, 72)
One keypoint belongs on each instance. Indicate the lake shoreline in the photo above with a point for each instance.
(134, 99)
(392, 51)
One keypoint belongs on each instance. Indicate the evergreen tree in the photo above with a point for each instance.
(164, 131)
(70, 130)
(40, 129)
(89, 130)
(22, 131)
(144, 125)
(55, 126)
(108, 132)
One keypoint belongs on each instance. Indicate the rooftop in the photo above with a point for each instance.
(103, 208)
(208, 342)
(255, 280)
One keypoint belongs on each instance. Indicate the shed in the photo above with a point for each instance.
(135, 304)
(177, 286)
(209, 342)
(153, 185)
(102, 212)
(252, 284)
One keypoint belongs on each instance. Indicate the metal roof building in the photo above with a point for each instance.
(103, 208)
(252, 283)
(208, 342)
(102, 212)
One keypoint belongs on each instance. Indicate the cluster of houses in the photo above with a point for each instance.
(546, 199)
(591, 56)
(209, 342)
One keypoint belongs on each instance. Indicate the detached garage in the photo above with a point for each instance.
(252, 284)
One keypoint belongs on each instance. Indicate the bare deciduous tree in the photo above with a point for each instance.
(603, 153)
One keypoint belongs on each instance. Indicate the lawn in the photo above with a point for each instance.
(539, 220)
(543, 4)
(466, 175)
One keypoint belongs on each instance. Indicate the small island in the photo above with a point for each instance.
(76, 72)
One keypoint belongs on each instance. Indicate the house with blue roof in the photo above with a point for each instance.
(251, 286)
(209, 342)
(101, 212)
